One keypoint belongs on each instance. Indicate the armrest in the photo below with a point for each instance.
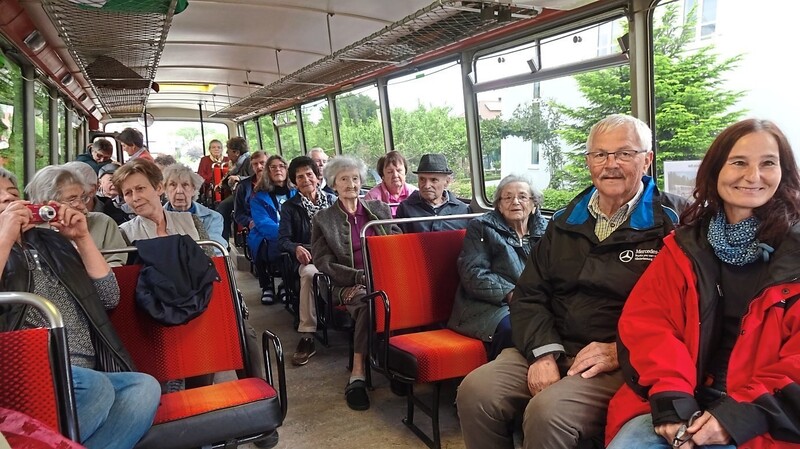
(266, 338)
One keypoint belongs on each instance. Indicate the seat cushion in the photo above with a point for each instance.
(214, 413)
(436, 355)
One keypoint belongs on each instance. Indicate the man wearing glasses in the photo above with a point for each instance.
(563, 370)
(99, 154)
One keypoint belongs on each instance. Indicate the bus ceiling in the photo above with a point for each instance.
(242, 58)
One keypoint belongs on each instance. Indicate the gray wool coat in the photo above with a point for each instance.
(489, 265)
(331, 244)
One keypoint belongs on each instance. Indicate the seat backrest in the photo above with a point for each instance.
(26, 375)
(210, 343)
(35, 376)
(418, 273)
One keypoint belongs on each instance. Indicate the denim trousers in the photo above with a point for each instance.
(638, 433)
(114, 409)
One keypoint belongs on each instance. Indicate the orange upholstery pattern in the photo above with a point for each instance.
(426, 265)
(187, 403)
(27, 382)
(162, 351)
(436, 355)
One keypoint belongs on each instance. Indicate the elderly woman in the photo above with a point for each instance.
(206, 167)
(96, 202)
(392, 167)
(141, 184)
(269, 194)
(115, 406)
(183, 187)
(709, 337)
(62, 185)
(295, 238)
(495, 250)
(336, 246)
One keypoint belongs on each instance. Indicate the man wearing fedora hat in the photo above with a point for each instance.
(432, 199)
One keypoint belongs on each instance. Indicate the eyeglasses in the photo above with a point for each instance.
(510, 199)
(75, 201)
(277, 167)
(600, 157)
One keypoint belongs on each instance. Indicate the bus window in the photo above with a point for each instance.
(428, 117)
(317, 125)
(41, 104)
(11, 154)
(715, 64)
(267, 134)
(360, 128)
(62, 132)
(289, 137)
(251, 134)
(539, 128)
(177, 138)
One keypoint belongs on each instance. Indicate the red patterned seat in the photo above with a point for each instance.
(243, 410)
(417, 276)
(35, 376)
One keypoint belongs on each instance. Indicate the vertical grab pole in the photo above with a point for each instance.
(202, 129)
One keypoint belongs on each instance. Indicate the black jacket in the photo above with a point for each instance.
(66, 265)
(573, 287)
(176, 280)
(415, 206)
(295, 226)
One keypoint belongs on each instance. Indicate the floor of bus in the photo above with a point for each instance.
(318, 415)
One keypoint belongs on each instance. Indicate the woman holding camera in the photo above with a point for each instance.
(115, 405)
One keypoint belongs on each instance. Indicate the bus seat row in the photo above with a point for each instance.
(222, 414)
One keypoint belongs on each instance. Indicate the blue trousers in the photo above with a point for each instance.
(114, 409)
(638, 433)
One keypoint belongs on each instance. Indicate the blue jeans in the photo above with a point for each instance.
(114, 409)
(638, 433)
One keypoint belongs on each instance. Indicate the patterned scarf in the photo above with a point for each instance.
(311, 208)
(736, 244)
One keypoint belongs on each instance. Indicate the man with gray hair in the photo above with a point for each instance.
(317, 154)
(563, 370)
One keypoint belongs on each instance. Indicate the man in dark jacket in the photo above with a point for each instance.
(99, 154)
(563, 371)
(432, 199)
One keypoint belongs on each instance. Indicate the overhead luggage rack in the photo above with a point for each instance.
(438, 25)
(117, 44)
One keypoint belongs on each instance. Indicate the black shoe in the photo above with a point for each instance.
(268, 441)
(282, 293)
(356, 395)
(267, 297)
(305, 350)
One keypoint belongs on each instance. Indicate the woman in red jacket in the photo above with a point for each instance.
(709, 339)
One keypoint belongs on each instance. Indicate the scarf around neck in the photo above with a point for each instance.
(736, 244)
(310, 207)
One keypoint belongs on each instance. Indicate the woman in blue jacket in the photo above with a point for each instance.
(271, 192)
(496, 247)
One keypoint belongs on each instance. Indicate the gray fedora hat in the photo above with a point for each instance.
(433, 163)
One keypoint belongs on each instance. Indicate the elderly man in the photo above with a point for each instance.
(432, 199)
(563, 370)
(238, 154)
(99, 154)
(317, 154)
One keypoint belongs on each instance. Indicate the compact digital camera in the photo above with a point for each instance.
(43, 213)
